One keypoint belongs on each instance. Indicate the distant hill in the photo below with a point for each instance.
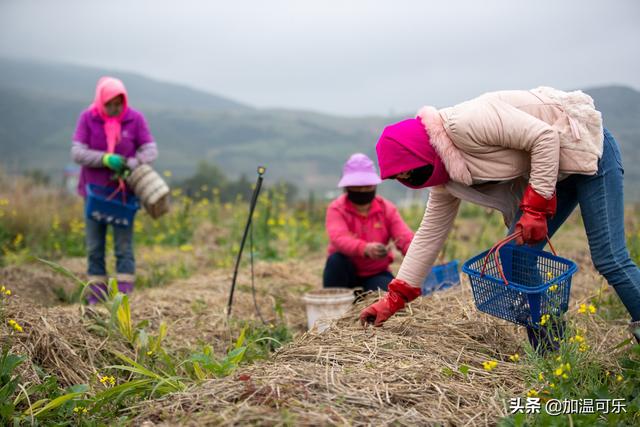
(40, 104)
(71, 82)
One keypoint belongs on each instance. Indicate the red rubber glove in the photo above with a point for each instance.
(400, 293)
(535, 211)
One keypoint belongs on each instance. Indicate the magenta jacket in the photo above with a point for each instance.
(349, 232)
(90, 144)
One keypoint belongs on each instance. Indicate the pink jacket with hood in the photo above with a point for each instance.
(491, 147)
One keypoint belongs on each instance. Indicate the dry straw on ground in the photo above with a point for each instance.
(407, 372)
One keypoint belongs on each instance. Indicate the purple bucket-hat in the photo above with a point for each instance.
(359, 171)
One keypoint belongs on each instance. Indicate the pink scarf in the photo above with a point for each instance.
(405, 146)
(107, 89)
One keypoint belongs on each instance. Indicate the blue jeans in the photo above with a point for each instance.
(339, 271)
(601, 201)
(96, 234)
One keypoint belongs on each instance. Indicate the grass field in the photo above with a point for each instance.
(168, 355)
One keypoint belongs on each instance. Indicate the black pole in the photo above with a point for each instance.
(252, 206)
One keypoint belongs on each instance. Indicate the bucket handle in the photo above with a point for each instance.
(495, 250)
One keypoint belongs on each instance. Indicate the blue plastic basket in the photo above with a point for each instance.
(538, 283)
(442, 276)
(108, 208)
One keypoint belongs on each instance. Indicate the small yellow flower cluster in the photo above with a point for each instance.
(561, 371)
(544, 319)
(619, 378)
(108, 381)
(5, 291)
(578, 339)
(80, 410)
(18, 240)
(514, 357)
(583, 347)
(16, 327)
(532, 393)
(553, 288)
(587, 308)
(489, 365)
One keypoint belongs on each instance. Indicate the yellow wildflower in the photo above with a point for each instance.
(107, 380)
(583, 348)
(541, 376)
(592, 308)
(514, 357)
(578, 338)
(271, 221)
(553, 288)
(544, 319)
(559, 371)
(565, 376)
(532, 393)
(552, 385)
(619, 378)
(567, 367)
(489, 365)
(582, 308)
(16, 327)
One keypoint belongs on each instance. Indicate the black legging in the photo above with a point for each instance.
(339, 271)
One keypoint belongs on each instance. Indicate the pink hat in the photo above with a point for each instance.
(359, 171)
(404, 146)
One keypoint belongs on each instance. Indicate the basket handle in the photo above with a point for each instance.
(121, 187)
(495, 250)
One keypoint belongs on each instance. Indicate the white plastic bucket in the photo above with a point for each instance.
(327, 304)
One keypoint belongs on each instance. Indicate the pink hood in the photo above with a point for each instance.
(405, 146)
(107, 89)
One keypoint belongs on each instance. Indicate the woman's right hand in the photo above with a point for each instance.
(375, 250)
(115, 162)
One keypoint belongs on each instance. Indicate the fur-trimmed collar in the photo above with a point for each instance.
(449, 153)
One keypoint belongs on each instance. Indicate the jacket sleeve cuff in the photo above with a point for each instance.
(361, 247)
(132, 163)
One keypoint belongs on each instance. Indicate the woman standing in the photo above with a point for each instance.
(110, 138)
(533, 155)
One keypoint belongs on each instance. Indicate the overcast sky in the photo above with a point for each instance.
(338, 56)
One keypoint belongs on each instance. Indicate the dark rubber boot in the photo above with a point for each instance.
(97, 293)
(546, 339)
